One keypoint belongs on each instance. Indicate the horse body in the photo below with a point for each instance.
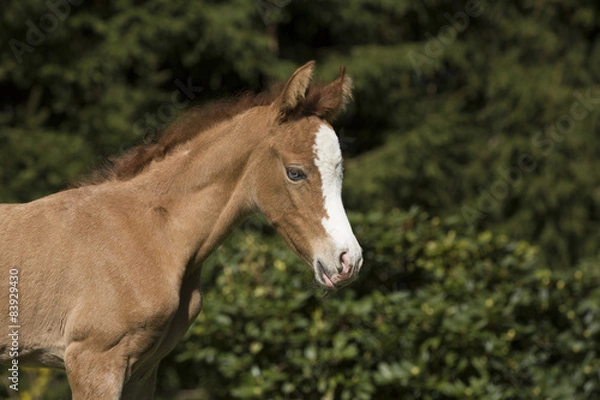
(109, 273)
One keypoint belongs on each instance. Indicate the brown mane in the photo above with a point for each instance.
(200, 119)
(185, 127)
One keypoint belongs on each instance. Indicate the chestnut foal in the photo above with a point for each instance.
(108, 274)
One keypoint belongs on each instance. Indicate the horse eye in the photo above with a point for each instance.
(295, 174)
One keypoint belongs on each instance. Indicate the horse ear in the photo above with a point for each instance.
(334, 98)
(295, 89)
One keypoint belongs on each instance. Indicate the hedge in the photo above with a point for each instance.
(434, 315)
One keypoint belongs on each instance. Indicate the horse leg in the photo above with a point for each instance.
(142, 388)
(95, 374)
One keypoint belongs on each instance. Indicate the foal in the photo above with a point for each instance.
(105, 278)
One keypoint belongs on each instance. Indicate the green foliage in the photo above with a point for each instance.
(493, 124)
(435, 315)
(482, 113)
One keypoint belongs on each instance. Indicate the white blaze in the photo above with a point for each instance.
(329, 162)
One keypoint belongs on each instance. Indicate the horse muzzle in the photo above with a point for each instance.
(341, 272)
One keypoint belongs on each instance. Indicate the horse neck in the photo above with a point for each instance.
(202, 189)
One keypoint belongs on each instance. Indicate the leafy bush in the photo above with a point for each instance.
(434, 316)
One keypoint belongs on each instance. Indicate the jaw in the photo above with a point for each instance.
(333, 266)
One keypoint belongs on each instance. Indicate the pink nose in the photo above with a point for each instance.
(346, 264)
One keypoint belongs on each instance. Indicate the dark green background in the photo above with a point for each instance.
(481, 114)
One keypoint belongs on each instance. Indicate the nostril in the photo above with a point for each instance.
(344, 266)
